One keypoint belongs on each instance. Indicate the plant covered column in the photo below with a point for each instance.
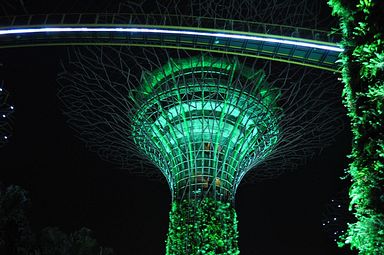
(362, 24)
(202, 226)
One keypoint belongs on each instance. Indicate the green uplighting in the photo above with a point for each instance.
(210, 227)
(205, 122)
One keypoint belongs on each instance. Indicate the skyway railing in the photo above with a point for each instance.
(301, 46)
(167, 20)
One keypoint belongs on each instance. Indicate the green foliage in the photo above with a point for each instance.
(363, 76)
(202, 227)
(368, 226)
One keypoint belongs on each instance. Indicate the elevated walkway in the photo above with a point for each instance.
(307, 47)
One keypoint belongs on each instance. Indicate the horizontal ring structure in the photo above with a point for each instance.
(205, 123)
(307, 47)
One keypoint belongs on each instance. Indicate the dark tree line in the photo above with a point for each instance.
(18, 238)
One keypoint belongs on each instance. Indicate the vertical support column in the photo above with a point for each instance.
(205, 226)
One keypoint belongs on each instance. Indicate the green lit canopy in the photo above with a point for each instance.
(205, 122)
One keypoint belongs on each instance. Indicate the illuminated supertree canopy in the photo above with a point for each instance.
(203, 120)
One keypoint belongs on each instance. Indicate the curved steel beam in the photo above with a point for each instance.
(295, 50)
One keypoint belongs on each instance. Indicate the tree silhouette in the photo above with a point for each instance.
(17, 237)
(15, 233)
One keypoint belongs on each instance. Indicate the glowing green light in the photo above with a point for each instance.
(203, 127)
(202, 227)
(363, 96)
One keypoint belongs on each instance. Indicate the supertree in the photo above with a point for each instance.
(204, 119)
(6, 116)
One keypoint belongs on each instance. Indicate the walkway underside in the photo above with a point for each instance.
(271, 42)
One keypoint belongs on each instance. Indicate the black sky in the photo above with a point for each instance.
(71, 187)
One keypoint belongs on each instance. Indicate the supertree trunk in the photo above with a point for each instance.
(205, 122)
(363, 76)
(202, 227)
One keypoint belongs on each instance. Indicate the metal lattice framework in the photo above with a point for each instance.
(204, 123)
(103, 87)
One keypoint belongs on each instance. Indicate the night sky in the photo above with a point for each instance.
(71, 187)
